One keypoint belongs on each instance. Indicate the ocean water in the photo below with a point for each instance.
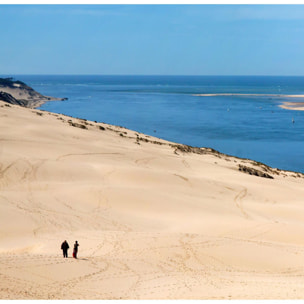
(253, 127)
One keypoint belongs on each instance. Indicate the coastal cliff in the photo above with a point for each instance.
(18, 93)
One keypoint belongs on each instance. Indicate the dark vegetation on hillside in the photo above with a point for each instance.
(9, 98)
(9, 82)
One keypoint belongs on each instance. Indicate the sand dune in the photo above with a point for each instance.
(154, 220)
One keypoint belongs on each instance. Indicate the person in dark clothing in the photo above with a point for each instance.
(65, 246)
(75, 250)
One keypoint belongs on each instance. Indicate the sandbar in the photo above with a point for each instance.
(261, 95)
(298, 106)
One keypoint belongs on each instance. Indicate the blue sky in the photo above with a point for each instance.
(152, 39)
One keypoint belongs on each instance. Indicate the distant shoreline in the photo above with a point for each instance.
(18, 93)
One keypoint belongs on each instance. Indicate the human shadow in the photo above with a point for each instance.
(82, 259)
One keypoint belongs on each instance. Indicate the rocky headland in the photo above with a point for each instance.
(18, 93)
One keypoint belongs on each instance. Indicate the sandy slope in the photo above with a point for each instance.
(152, 222)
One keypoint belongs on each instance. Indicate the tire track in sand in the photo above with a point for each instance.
(238, 200)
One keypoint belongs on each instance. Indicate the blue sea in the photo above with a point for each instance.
(251, 127)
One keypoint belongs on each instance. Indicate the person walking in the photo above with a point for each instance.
(65, 246)
(75, 250)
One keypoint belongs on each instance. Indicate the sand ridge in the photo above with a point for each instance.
(154, 219)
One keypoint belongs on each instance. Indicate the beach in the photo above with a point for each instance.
(153, 219)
